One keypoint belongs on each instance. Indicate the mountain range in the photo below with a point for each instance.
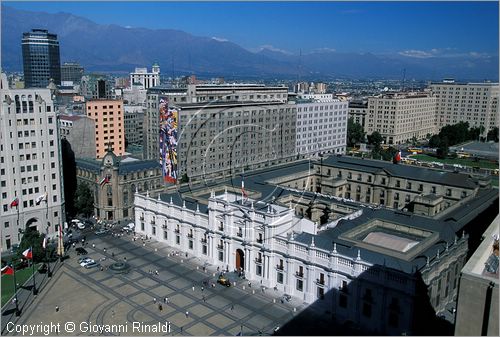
(115, 49)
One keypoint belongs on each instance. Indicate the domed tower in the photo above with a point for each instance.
(156, 68)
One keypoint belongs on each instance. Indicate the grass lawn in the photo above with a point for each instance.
(462, 161)
(8, 282)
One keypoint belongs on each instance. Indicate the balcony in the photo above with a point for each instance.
(299, 274)
(177, 230)
(279, 267)
(220, 246)
(257, 260)
(203, 240)
(320, 281)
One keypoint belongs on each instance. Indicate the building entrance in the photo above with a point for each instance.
(240, 259)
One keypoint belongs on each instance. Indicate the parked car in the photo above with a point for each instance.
(86, 262)
(224, 281)
(81, 251)
(92, 264)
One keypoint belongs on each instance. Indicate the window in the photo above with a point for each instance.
(367, 309)
(300, 285)
(190, 244)
(178, 239)
(279, 278)
(221, 256)
(165, 235)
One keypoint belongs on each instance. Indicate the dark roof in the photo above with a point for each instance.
(123, 168)
(402, 171)
(138, 165)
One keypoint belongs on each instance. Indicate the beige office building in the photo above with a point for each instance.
(399, 117)
(475, 103)
(109, 125)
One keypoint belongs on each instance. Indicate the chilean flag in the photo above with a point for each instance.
(14, 203)
(104, 181)
(7, 270)
(28, 254)
(397, 157)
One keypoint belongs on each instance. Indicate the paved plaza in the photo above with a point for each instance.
(95, 300)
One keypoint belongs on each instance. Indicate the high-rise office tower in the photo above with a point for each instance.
(41, 61)
(30, 164)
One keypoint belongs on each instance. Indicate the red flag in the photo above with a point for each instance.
(397, 158)
(104, 181)
(28, 254)
(14, 203)
(7, 270)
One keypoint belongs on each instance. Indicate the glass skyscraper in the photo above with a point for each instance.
(41, 61)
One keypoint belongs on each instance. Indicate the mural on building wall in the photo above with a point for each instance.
(168, 140)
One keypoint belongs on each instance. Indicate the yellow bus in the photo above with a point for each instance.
(415, 150)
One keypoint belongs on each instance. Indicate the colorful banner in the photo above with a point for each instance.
(168, 140)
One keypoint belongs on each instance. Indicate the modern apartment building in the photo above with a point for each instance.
(475, 103)
(399, 117)
(41, 61)
(145, 79)
(321, 124)
(134, 123)
(220, 129)
(30, 164)
(358, 111)
(71, 71)
(109, 125)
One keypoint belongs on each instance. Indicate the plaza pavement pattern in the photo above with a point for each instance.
(104, 298)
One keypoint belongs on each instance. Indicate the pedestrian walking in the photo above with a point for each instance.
(160, 307)
(154, 300)
(156, 272)
(165, 300)
(57, 308)
(232, 306)
(105, 250)
(187, 314)
(193, 288)
(202, 289)
(93, 245)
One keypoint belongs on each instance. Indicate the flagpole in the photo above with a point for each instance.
(49, 273)
(18, 313)
(35, 291)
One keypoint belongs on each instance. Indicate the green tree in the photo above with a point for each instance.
(355, 133)
(493, 134)
(31, 238)
(414, 141)
(442, 150)
(434, 141)
(84, 200)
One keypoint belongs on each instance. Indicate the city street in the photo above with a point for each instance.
(102, 297)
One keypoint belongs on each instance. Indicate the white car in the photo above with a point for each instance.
(86, 261)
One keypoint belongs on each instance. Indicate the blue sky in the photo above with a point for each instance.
(414, 29)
